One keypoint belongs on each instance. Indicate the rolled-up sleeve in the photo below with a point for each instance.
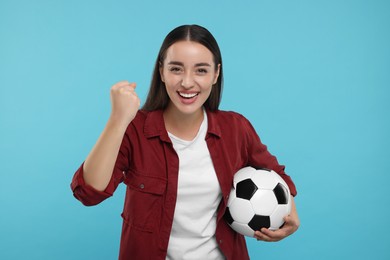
(88, 195)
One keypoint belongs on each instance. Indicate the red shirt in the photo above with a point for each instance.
(148, 164)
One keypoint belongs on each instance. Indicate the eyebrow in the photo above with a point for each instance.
(201, 64)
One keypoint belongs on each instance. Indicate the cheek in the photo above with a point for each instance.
(170, 86)
(170, 79)
(206, 83)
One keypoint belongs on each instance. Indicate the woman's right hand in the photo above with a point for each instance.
(124, 103)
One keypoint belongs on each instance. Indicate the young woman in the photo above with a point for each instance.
(177, 155)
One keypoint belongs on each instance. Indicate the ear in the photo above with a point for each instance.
(217, 74)
(160, 68)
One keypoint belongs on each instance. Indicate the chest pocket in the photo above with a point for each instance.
(144, 200)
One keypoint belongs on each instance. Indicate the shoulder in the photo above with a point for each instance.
(140, 117)
(144, 116)
(227, 117)
(150, 123)
(226, 114)
(138, 121)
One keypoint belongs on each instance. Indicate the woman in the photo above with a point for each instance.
(177, 156)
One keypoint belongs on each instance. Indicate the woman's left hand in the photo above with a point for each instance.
(290, 226)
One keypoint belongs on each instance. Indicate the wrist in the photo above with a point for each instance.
(117, 124)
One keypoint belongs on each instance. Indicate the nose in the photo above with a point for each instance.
(187, 81)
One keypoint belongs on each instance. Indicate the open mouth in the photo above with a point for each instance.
(188, 95)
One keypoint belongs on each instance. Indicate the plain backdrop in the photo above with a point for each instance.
(313, 77)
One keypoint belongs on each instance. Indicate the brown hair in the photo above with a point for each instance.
(157, 97)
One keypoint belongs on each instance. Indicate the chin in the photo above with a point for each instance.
(188, 110)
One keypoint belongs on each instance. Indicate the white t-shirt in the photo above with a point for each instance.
(198, 197)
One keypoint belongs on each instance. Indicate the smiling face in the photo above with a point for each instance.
(189, 72)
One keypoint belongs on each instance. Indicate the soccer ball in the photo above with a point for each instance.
(259, 198)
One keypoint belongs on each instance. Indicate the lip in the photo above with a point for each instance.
(188, 97)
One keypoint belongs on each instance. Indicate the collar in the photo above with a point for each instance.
(154, 125)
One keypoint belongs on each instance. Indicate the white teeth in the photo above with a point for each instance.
(188, 95)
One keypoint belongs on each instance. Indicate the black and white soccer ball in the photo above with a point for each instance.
(259, 198)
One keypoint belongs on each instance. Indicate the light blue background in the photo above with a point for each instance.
(312, 76)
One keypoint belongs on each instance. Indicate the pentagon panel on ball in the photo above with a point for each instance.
(259, 198)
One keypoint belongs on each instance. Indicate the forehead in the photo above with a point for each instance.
(188, 52)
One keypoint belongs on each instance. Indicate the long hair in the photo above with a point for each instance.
(158, 97)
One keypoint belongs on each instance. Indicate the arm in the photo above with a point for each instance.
(98, 166)
(259, 156)
(290, 226)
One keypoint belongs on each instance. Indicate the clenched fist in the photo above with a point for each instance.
(124, 102)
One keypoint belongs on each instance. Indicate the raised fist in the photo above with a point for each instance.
(124, 102)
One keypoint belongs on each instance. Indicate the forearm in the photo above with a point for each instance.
(99, 165)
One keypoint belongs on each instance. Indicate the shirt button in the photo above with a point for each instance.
(142, 186)
(220, 241)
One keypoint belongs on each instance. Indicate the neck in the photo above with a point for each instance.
(184, 126)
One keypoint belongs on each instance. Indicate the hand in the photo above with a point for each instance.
(124, 102)
(290, 226)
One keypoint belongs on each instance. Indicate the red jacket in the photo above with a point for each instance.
(148, 165)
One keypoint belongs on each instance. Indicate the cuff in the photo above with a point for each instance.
(85, 193)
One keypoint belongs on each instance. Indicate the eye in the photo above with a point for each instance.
(175, 69)
(201, 71)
